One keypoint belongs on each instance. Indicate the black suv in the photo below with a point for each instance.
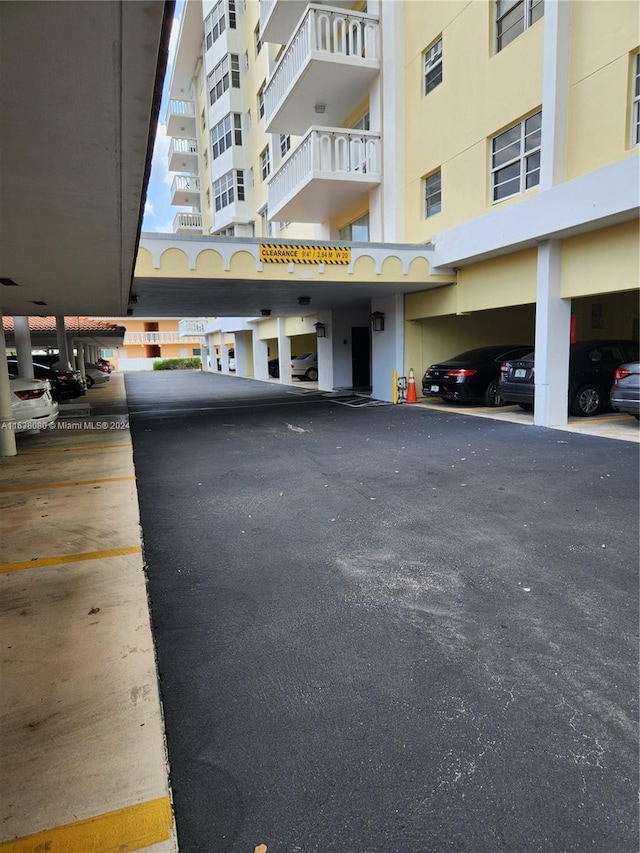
(591, 368)
(65, 384)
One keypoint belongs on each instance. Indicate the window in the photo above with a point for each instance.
(261, 101)
(635, 116)
(433, 66)
(258, 41)
(265, 163)
(232, 14)
(219, 78)
(362, 123)
(513, 17)
(229, 188)
(226, 133)
(515, 158)
(433, 194)
(358, 230)
(266, 227)
(285, 143)
(214, 24)
(226, 232)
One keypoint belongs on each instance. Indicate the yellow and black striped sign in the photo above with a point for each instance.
(271, 253)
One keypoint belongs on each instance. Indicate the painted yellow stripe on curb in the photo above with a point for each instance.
(131, 828)
(38, 486)
(78, 449)
(39, 562)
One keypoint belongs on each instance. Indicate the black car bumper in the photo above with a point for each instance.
(517, 392)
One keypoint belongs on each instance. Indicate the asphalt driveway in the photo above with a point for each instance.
(388, 629)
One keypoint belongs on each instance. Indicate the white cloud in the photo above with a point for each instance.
(149, 209)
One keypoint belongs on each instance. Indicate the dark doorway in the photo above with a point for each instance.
(360, 357)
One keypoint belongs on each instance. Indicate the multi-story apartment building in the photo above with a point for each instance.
(149, 340)
(501, 135)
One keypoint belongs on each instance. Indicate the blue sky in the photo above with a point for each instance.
(158, 211)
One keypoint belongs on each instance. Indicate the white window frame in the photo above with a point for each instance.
(226, 133)
(346, 233)
(228, 189)
(635, 102)
(215, 24)
(261, 101)
(532, 11)
(433, 194)
(265, 163)
(432, 66)
(285, 144)
(226, 73)
(528, 149)
(257, 39)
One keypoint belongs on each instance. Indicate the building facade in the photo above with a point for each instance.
(503, 136)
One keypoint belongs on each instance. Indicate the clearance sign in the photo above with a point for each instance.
(279, 254)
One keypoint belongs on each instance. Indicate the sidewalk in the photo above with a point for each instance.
(82, 748)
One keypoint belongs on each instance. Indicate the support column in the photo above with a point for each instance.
(555, 92)
(80, 361)
(553, 330)
(387, 347)
(63, 349)
(72, 357)
(260, 358)
(7, 433)
(284, 353)
(22, 335)
(325, 352)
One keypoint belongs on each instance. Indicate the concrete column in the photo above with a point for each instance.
(553, 329)
(72, 356)
(260, 358)
(325, 352)
(80, 361)
(387, 347)
(63, 348)
(22, 336)
(284, 353)
(7, 433)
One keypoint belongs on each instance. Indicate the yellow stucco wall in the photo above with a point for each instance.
(619, 313)
(604, 35)
(482, 93)
(603, 261)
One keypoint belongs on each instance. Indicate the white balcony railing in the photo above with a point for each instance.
(327, 152)
(187, 222)
(183, 109)
(193, 327)
(142, 338)
(186, 184)
(330, 33)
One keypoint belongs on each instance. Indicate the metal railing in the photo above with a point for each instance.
(325, 31)
(342, 152)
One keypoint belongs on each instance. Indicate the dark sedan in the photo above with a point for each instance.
(472, 376)
(591, 368)
(65, 384)
(625, 391)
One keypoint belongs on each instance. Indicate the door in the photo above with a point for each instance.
(361, 357)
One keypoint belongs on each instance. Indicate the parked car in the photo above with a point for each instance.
(65, 384)
(231, 356)
(305, 366)
(472, 376)
(625, 391)
(274, 368)
(105, 363)
(32, 405)
(591, 368)
(96, 374)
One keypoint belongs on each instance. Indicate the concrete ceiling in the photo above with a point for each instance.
(80, 94)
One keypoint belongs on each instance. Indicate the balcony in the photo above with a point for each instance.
(326, 69)
(194, 327)
(185, 191)
(187, 223)
(279, 18)
(181, 118)
(157, 338)
(183, 155)
(329, 171)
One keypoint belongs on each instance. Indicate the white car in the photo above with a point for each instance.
(96, 374)
(305, 367)
(32, 405)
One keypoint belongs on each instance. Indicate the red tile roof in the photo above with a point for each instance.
(72, 324)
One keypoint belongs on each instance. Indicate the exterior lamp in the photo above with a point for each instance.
(321, 330)
(377, 321)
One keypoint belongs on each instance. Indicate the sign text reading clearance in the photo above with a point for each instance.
(277, 254)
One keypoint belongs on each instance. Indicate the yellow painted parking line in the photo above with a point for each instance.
(38, 486)
(131, 828)
(79, 449)
(40, 562)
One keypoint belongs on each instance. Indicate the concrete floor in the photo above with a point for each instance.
(82, 745)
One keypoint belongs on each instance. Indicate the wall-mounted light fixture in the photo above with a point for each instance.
(377, 321)
(321, 330)
(266, 312)
(320, 108)
(304, 300)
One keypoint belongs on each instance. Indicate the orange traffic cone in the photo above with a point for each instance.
(412, 397)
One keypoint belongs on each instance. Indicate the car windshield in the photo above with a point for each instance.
(476, 355)
(304, 355)
(528, 356)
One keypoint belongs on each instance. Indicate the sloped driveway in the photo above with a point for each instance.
(387, 629)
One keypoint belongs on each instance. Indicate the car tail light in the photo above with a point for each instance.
(33, 394)
(504, 368)
(621, 373)
(460, 373)
(65, 376)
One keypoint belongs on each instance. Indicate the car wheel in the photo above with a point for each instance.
(492, 395)
(90, 382)
(311, 374)
(527, 407)
(586, 402)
